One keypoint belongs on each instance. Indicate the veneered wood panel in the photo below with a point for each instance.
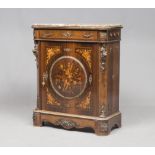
(87, 56)
(78, 77)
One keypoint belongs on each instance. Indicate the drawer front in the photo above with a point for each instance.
(67, 77)
(66, 35)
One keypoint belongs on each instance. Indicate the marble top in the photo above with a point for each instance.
(76, 26)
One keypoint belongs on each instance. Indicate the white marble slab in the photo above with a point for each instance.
(77, 26)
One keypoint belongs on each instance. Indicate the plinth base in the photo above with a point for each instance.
(101, 126)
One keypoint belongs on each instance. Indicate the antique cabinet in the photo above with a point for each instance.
(78, 76)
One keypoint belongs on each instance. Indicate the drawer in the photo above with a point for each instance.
(66, 35)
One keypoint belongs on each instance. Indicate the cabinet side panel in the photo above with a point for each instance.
(115, 77)
(110, 58)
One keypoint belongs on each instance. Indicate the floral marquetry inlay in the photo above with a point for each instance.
(85, 104)
(51, 100)
(67, 124)
(51, 52)
(86, 53)
(68, 77)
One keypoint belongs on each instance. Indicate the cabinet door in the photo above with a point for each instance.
(68, 77)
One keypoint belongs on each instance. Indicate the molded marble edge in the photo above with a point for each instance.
(77, 116)
(77, 26)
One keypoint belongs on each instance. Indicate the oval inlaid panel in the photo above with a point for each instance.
(68, 77)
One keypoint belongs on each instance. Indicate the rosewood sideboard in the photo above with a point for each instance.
(78, 76)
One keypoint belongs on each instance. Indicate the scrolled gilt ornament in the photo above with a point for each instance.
(35, 52)
(47, 35)
(103, 57)
(45, 76)
(67, 124)
(34, 117)
(67, 34)
(87, 35)
(90, 79)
